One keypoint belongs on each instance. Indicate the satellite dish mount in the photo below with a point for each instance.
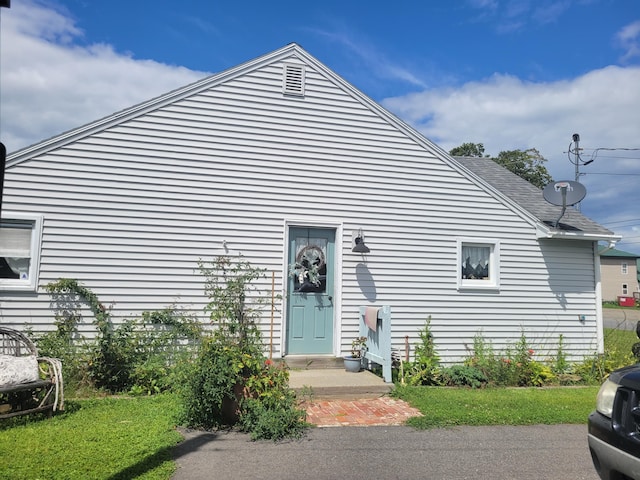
(564, 193)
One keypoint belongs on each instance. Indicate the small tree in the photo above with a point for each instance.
(468, 150)
(528, 164)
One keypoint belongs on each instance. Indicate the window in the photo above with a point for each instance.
(625, 289)
(19, 251)
(478, 264)
(624, 267)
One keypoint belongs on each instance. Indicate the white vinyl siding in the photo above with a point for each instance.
(133, 207)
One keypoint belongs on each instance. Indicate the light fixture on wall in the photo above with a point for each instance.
(359, 246)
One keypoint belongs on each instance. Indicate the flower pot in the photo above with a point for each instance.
(352, 364)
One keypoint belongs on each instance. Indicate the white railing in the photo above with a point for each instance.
(375, 324)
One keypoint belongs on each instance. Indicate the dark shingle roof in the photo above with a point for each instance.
(529, 197)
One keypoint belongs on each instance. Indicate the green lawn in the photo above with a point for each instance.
(446, 407)
(109, 438)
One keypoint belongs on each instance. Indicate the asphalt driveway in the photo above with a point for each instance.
(622, 318)
(539, 452)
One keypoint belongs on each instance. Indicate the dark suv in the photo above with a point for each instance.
(614, 426)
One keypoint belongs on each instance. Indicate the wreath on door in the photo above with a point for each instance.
(309, 262)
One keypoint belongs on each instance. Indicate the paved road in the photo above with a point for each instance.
(622, 318)
(535, 452)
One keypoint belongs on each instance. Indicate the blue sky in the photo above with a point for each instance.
(507, 73)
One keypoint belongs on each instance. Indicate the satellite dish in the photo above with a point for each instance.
(563, 193)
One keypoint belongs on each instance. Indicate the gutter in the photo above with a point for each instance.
(542, 231)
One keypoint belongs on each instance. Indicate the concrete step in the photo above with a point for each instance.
(337, 383)
(312, 362)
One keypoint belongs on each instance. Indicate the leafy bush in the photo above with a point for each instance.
(463, 376)
(270, 409)
(139, 356)
(231, 382)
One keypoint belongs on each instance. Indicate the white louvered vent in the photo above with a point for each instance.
(293, 81)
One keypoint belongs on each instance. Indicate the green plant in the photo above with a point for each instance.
(425, 368)
(235, 303)
(230, 381)
(139, 355)
(269, 409)
(463, 376)
(560, 363)
(483, 358)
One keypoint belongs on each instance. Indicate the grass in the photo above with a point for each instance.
(619, 341)
(112, 438)
(448, 407)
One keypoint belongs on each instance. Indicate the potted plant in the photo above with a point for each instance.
(353, 362)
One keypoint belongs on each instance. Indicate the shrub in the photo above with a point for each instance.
(463, 376)
(139, 356)
(231, 382)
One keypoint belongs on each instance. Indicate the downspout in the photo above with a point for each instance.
(598, 282)
(598, 291)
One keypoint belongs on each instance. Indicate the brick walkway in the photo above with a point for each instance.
(364, 412)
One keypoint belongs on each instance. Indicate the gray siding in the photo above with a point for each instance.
(130, 209)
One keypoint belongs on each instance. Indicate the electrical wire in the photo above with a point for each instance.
(596, 151)
(621, 221)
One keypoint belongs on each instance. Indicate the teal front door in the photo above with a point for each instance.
(310, 291)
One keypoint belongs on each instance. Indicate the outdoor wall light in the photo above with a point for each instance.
(359, 246)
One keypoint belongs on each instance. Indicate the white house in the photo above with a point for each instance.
(277, 158)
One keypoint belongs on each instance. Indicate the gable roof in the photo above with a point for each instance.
(509, 189)
(614, 252)
(530, 198)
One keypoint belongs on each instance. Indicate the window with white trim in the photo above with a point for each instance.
(19, 251)
(478, 263)
(625, 289)
(624, 268)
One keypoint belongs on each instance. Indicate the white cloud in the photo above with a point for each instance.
(629, 40)
(506, 113)
(64, 85)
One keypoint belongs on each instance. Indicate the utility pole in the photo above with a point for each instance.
(576, 152)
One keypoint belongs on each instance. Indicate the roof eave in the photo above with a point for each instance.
(544, 231)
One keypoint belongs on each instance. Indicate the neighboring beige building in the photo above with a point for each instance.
(619, 274)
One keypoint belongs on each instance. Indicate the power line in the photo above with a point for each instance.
(605, 173)
(596, 151)
(621, 221)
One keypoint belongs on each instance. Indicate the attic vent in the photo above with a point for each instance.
(293, 81)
